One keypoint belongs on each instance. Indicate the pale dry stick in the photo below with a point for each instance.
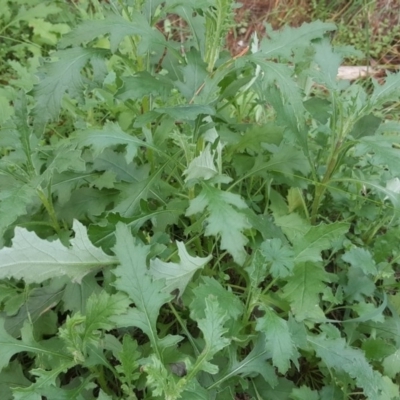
(352, 73)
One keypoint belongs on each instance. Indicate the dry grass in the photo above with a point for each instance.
(253, 15)
(373, 25)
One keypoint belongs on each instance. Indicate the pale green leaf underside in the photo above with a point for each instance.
(201, 167)
(35, 260)
(178, 275)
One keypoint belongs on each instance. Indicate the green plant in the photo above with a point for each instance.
(369, 26)
(178, 224)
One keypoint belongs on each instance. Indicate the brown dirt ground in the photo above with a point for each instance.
(254, 14)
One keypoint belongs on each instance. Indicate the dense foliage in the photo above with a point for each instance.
(176, 223)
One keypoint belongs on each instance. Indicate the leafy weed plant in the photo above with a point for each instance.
(180, 224)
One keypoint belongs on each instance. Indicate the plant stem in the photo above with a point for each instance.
(48, 204)
(102, 380)
(321, 186)
(184, 328)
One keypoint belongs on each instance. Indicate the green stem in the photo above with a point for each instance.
(133, 40)
(185, 330)
(102, 380)
(321, 186)
(251, 301)
(370, 234)
(48, 204)
(272, 283)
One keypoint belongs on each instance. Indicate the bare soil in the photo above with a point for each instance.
(253, 15)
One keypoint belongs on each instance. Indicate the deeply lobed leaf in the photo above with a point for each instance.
(35, 260)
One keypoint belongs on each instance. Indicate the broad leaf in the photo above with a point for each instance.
(117, 27)
(76, 294)
(278, 339)
(177, 275)
(193, 75)
(366, 126)
(60, 77)
(226, 299)
(40, 10)
(202, 166)
(63, 185)
(293, 225)
(144, 84)
(104, 236)
(279, 256)
(45, 385)
(223, 219)
(285, 161)
(38, 301)
(81, 331)
(12, 376)
(14, 203)
(361, 258)
(10, 346)
(281, 43)
(336, 354)
(303, 291)
(381, 150)
(318, 238)
(132, 194)
(160, 380)
(129, 357)
(35, 260)
(358, 284)
(110, 135)
(100, 307)
(77, 205)
(304, 393)
(257, 136)
(282, 76)
(254, 362)
(212, 327)
(389, 91)
(328, 62)
(391, 364)
(281, 391)
(257, 270)
(109, 160)
(133, 279)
